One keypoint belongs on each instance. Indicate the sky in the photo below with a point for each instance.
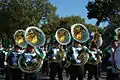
(73, 7)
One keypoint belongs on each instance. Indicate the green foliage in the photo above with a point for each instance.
(67, 22)
(20, 14)
(103, 10)
(61, 22)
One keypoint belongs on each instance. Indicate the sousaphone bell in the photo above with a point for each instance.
(19, 38)
(63, 36)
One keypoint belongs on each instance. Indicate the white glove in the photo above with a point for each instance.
(28, 60)
(78, 61)
(3, 51)
(99, 51)
(54, 57)
(6, 53)
(94, 52)
(34, 60)
(84, 47)
(63, 59)
(33, 54)
(5, 63)
(113, 50)
(44, 53)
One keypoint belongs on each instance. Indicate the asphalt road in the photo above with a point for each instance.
(42, 77)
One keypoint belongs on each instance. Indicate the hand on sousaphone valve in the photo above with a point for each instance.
(61, 55)
(83, 57)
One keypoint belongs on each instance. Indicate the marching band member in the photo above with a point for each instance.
(76, 69)
(29, 53)
(14, 55)
(2, 59)
(7, 51)
(57, 56)
(93, 69)
(58, 53)
(2, 55)
(78, 55)
(45, 67)
(110, 51)
(30, 62)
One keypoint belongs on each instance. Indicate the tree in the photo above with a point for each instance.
(67, 22)
(103, 10)
(62, 22)
(20, 14)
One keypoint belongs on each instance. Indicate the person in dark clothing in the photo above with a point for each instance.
(2, 60)
(57, 57)
(93, 69)
(15, 72)
(111, 73)
(45, 67)
(76, 70)
(28, 55)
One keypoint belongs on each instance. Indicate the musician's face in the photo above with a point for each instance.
(0, 45)
(77, 44)
(61, 47)
(16, 49)
(30, 49)
(115, 44)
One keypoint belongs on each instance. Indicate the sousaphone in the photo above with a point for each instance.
(12, 57)
(80, 34)
(63, 36)
(96, 37)
(36, 38)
